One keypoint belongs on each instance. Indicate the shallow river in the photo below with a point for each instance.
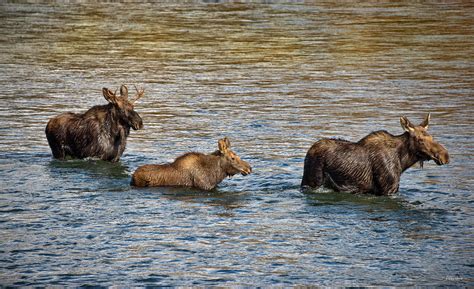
(274, 78)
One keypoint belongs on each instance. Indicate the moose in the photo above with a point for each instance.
(372, 165)
(197, 170)
(101, 132)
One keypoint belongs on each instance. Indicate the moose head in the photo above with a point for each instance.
(231, 162)
(426, 148)
(124, 106)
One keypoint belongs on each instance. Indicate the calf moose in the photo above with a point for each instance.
(202, 171)
(100, 132)
(372, 165)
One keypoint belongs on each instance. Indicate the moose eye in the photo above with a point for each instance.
(422, 141)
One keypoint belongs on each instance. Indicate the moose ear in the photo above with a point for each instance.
(227, 142)
(406, 124)
(109, 95)
(124, 91)
(223, 145)
(425, 123)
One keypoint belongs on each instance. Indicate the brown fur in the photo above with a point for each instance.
(372, 165)
(100, 132)
(202, 171)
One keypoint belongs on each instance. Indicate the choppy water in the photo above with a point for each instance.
(274, 78)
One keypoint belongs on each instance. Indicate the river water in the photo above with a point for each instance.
(274, 78)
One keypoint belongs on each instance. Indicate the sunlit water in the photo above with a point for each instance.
(274, 78)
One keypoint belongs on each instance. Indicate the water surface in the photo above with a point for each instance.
(274, 78)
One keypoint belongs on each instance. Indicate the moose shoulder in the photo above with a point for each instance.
(374, 164)
(100, 132)
(198, 170)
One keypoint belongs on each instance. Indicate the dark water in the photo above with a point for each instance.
(274, 78)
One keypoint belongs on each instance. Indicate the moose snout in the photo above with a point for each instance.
(246, 171)
(137, 124)
(444, 157)
(441, 156)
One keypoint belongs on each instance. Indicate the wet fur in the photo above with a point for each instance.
(190, 170)
(372, 165)
(197, 170)
(99, 132)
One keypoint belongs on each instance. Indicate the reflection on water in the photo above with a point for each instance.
(325, 197)
(274, 78)
(94, 167)
(227, 200)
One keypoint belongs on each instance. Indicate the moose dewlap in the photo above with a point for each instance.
(372, 165)
(197, 170)
(100, 132)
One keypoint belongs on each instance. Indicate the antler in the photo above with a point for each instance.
(140, 94)
(124, 91)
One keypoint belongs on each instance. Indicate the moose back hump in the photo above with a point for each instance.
(100, 132)
(197, 170)
(372, 165)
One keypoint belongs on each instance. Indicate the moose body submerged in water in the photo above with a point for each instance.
(374, 164)
(100, 132)
(197, 170)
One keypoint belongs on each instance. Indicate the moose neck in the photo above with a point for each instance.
(406, 151)
(114, 122)
(220, 172)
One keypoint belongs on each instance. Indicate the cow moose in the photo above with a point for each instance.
(101, 132)
(372, 165)
(197, 170)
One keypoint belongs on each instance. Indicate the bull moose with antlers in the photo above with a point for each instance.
(372, 165)
(101, 132)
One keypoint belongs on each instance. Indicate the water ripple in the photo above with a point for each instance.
(274, 78)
